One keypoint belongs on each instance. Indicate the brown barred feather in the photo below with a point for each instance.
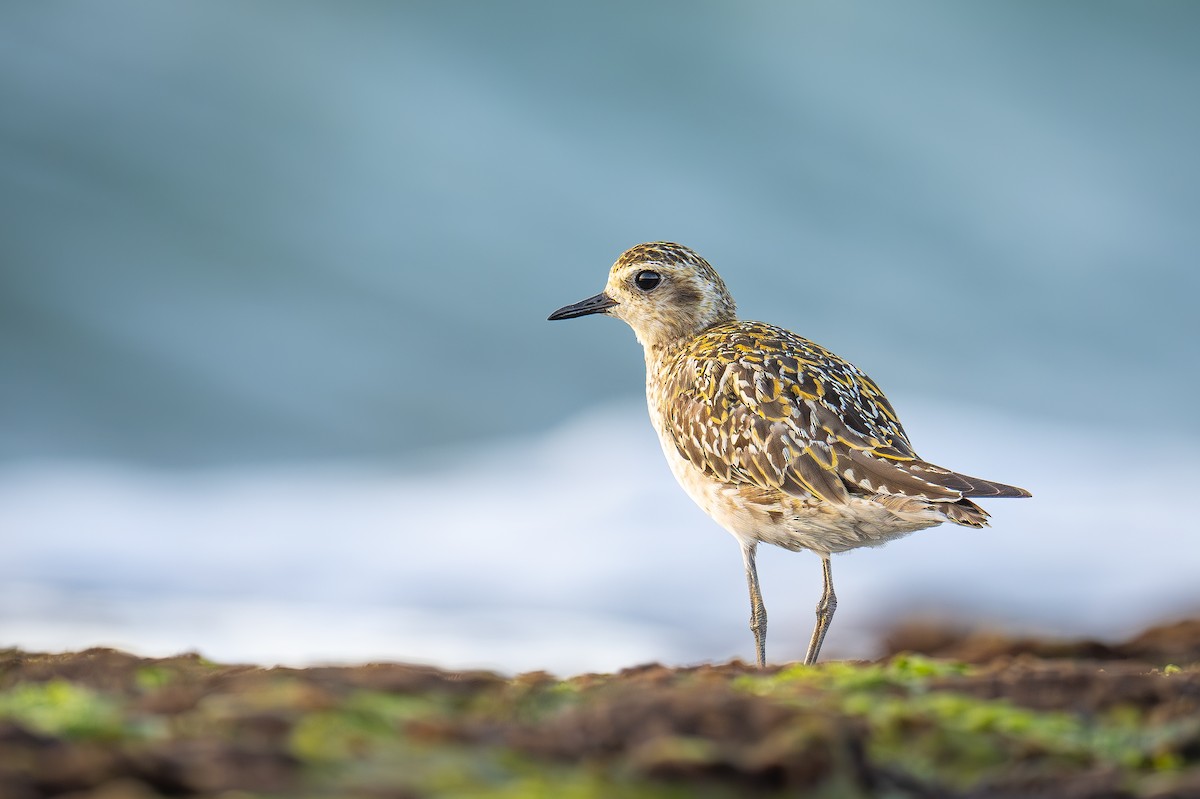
(988, 488)
(821, 482)
(966, 513)
(876, 475)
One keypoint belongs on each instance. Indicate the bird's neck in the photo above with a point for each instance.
(665, 333)
(663, 350)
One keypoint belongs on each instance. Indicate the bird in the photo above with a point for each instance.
(776, 438)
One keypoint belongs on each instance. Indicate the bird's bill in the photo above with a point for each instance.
(598, 304)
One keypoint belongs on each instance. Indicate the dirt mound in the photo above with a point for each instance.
(1170, 643)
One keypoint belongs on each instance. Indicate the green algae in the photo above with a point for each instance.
(366, 724)
(62, 708)
(374, 742)
(153, 678)
(910, 672)
(907, 726)
(916, 722)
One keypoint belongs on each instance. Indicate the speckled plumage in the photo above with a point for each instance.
(775, 437)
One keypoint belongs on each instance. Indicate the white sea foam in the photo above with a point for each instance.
(570, 552)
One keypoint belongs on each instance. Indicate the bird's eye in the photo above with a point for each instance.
(646, 280)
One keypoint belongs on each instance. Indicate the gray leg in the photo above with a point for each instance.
(825, 609)
(758, 611)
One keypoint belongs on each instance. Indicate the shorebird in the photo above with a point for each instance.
(776, 438)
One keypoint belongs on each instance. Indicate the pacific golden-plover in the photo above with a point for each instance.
(775, 437)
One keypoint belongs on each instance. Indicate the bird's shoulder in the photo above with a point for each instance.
(779, 375)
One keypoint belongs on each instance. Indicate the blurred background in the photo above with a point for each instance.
(277, 383)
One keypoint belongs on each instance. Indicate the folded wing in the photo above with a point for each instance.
(751, 403)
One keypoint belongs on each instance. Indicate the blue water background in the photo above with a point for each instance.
(259, 258)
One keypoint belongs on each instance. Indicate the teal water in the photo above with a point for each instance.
(239, 234)
(572, 550)
(307, 250)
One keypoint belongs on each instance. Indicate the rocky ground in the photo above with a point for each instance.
(944, 715)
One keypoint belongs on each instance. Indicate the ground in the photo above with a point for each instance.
(944, 715)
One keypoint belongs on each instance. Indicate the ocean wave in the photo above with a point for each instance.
(569, 551)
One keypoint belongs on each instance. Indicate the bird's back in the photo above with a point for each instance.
(755, 405)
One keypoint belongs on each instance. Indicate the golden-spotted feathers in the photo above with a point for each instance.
(748, 402)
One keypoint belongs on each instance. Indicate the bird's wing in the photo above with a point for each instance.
(752, 403)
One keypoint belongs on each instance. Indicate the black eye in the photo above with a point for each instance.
(646, 280)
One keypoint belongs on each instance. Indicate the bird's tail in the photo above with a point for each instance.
(964, 512)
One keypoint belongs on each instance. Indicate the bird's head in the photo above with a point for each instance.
(663, 291)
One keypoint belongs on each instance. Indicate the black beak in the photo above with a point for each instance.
(598, 304)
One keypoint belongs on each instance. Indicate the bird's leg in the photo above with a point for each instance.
(825, 609)
(758, 611)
